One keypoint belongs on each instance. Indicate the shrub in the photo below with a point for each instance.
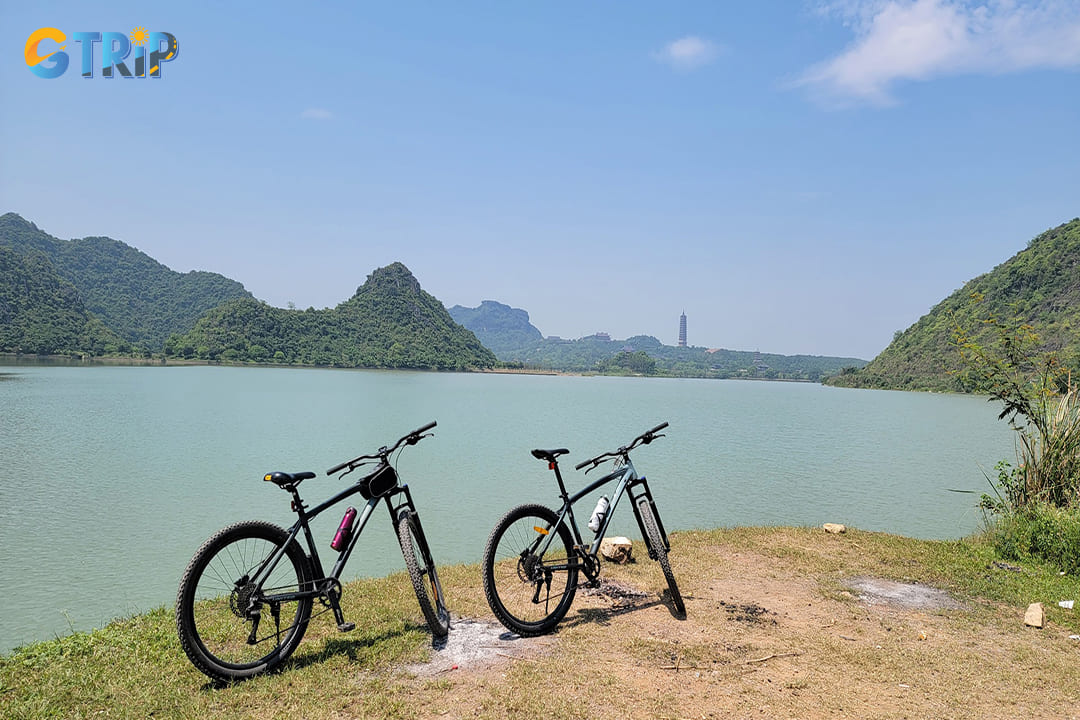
(1040, 530)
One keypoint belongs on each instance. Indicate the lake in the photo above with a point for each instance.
(111, 477)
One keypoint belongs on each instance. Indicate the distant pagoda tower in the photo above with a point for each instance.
(682, 329)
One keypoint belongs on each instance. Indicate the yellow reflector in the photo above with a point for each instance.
(540, 530)
(266, 477)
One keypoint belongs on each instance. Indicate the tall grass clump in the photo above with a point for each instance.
(1035, 506)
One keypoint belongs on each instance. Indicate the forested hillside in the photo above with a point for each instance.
(389, 323)
(41, 313)
(1039, 286)
(134, 295)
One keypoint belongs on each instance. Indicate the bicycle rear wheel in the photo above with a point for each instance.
(656, 549)
(529, 586)
(229, 628)
(425, 579)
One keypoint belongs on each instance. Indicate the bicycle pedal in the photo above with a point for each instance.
(346, 626)
(594, 583)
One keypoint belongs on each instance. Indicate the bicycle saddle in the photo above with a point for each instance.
(549, 455)
(284, 479)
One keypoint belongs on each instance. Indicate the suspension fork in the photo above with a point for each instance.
(645, 492)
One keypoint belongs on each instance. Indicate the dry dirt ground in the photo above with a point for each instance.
(761, 639)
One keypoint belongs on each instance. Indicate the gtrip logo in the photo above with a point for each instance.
(114, 50)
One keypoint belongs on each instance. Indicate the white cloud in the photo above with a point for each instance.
(687, 53)
(899, 40)
(316, 114)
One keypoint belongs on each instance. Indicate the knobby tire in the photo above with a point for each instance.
(214, 608)
(657, 549)
(425, 580)
(526, 594)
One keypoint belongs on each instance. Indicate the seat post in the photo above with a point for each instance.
(554, 465)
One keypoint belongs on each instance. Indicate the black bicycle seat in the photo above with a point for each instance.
(549, 455)
(284, 479)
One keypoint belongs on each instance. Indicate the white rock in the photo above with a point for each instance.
(616, 549)
(1035, 616)
(834, 528)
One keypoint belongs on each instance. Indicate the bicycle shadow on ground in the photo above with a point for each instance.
(625, 600)
(355, 648)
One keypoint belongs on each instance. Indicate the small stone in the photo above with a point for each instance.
(1035, 616)
(834, 528)
(616, 549)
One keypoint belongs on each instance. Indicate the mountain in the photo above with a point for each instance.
(499, 327)
(1039, 286)
(389, 323)
(41, 313)
(140, 299)
(507, 332)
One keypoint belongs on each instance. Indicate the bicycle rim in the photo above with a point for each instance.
(528, 591)
(219, 603)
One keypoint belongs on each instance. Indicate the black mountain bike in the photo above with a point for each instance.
(534, 554)
(247, 595)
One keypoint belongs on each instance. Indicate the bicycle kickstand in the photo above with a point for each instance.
(333, 596)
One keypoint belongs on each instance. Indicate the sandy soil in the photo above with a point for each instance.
(762, 640)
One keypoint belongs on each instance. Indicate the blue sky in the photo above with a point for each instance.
(799, 177)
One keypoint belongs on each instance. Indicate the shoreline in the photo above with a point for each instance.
(25, 360)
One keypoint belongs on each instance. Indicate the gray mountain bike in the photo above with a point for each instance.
(534, 554)
(246, 597)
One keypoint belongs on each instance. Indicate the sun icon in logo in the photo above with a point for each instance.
(139, 36)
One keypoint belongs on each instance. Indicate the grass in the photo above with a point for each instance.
(825, 652)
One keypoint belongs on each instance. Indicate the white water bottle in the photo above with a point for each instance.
(598, 514)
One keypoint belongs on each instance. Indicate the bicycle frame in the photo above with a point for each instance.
(323, 583)
(628, 481)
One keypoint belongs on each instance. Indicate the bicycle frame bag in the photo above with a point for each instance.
(378, 483)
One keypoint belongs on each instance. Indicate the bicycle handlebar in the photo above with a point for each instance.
(410, 438)
(643, 439)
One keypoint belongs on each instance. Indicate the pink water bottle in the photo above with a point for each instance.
(344, 531)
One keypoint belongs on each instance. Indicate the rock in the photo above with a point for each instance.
(1034, 617)
(616, 549)
(834, 528)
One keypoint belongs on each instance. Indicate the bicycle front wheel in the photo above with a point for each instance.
(530, 577)
(231, 628)
(425, 579)
(658, 551)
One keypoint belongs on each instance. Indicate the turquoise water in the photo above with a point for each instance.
(111, 477)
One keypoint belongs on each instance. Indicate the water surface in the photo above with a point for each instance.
(111, 477)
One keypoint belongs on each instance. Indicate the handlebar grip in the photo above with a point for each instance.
(334, 469)
(658, 428)
(424, 429)
(582, 464)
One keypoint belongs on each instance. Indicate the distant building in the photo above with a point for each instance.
(682, 329)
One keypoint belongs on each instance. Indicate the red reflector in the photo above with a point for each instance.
(551, 466)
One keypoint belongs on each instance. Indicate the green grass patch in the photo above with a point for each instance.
(136, 668)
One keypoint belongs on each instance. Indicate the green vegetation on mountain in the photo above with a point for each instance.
(42, 313)
(507, 332)
(389, 323)
(134, 295)
(1038, 287)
